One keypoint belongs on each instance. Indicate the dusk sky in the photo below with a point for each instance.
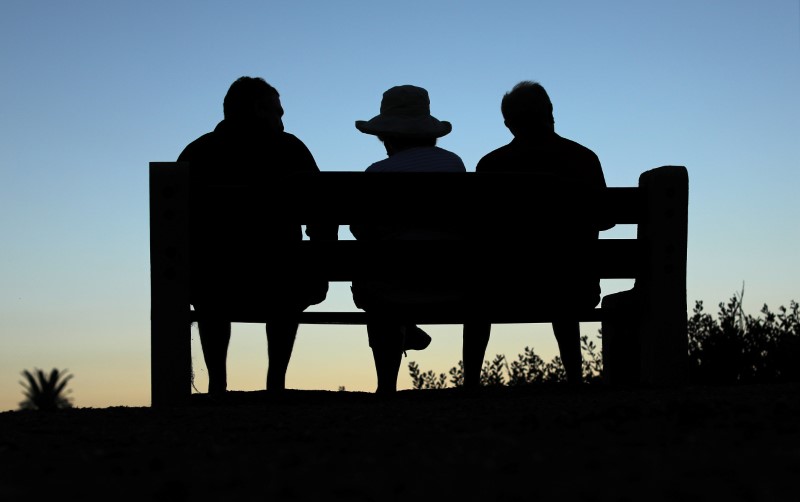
(92, 91)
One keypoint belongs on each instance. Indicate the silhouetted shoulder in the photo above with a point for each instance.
(197, 147)
(422, 159)
(583, 164)
(577, 149)
(296, 143)
(551, 155)
(231, 146)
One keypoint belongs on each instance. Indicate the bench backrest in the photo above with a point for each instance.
(532, 211)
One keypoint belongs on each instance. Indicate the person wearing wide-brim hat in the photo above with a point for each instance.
(409, 133)
(405, 112)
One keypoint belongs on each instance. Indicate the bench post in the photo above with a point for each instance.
(662, 280)
(170, 326)
(645, 338)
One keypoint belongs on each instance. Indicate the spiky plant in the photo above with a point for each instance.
(45, 392)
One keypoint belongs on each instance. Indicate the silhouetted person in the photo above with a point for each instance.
(236, 262)
(536, 148)
(409, 133)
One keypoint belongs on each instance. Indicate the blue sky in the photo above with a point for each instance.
(93, 91)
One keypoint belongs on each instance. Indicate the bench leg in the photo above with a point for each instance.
(171, 359)
(621, 338)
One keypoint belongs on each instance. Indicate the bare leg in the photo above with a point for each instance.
(280, 342)
(475, 340)
(214, 339)
(568, 336)
(386, 341)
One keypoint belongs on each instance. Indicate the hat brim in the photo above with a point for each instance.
(416, 127)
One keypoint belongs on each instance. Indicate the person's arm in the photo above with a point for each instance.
(306, 163)
(599, 180)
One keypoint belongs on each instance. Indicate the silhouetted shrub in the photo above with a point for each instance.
(733, 348)
(493, 373)
(426, 380)
(739, 348)
(45, 392)
(529, 368)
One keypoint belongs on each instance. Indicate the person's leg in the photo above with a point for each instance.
(386, 341)
(214, 339)
(280, 342)
(568, 336)
(475, 340)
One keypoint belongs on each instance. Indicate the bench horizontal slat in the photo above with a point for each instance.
(357, 197)
(345, 260)
(319, 317)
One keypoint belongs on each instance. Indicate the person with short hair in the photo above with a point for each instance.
(236, 270)
(536, 148)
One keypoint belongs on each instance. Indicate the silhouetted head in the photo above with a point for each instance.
(253, 100)
(527, 109)
(405, 113)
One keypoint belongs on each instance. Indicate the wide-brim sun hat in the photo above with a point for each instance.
(405, 111)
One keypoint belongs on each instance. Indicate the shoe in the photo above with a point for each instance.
(415, 338)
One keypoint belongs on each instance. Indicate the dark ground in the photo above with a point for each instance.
(537, 443)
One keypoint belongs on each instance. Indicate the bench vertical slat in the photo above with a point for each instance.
(170, 326)
(663, 332)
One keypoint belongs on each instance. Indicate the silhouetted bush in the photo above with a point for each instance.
(739, 348)
(529, 368)
(733, 348)
(426, 380)
(45, 392)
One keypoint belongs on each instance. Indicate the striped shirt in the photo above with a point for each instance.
(423, 159)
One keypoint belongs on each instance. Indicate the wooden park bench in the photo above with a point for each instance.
(643, 330)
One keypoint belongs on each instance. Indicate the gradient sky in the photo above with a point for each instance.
(93, 91)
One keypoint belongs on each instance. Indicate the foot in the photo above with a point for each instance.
(415, 338)
(217, 388)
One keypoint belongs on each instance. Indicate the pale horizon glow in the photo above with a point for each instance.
(94, 91)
